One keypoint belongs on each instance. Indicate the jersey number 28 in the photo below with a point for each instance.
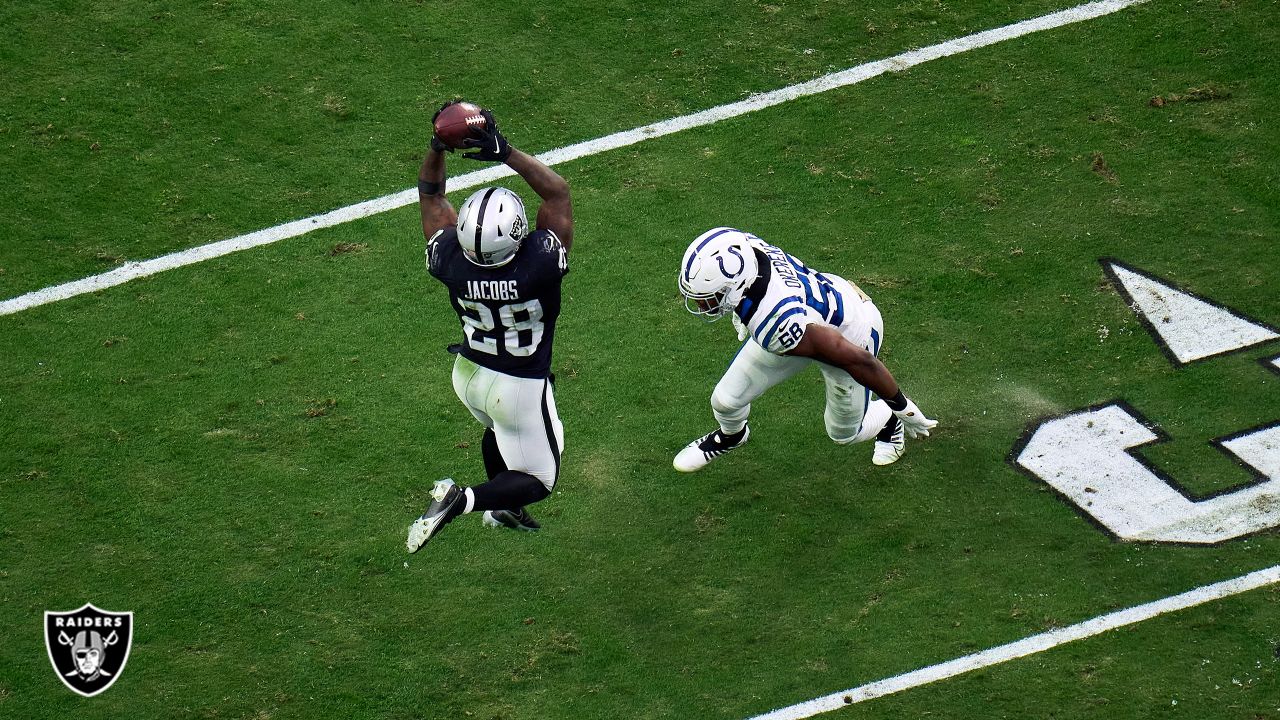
(519, 335)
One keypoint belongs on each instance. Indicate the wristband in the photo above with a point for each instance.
(426, 187)
(897, 403)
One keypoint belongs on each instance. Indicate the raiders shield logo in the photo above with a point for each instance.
(88, 647)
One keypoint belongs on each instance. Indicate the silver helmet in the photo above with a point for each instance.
(491, 226)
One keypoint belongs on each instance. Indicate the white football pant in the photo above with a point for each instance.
(850, 415)
(522, 414)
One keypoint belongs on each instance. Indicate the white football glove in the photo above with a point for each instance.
(742, 330)
(914, 422)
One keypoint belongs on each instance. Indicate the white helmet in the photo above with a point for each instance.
(716, 271)
(491, 226)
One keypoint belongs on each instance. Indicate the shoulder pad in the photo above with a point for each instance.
(437, 249)
(546, 242)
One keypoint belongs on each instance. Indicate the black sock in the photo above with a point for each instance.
(890, 427)
(508, 490)
(493, 462)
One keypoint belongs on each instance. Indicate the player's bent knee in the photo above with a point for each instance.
(515, 488)
(548, 480)
(540, 491)
(842, 435)
(863, 434)
(723, 401)
(546, 477)
(842, 432)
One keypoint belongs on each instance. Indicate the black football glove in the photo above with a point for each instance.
(435, 141)
(490, 145)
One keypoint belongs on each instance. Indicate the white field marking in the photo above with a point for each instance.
(1026, 646)
(851, 76)
(1085, 456)
(1191, 327)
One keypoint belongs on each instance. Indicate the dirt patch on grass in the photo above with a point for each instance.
(336, 107)
(348, 249)
(1099, 165)
(321, 407)
(887, 282)
(707, 522)
(1208, 93)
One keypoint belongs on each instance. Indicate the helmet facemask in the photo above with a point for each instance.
(708, 307)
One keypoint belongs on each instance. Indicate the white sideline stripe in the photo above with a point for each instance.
(132, 270)
(1026, 646)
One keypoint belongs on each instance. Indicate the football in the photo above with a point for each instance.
(456, 123)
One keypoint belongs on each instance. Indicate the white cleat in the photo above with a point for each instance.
(698, 453)
(887, 453)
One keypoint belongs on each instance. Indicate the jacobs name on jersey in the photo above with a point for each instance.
(493, 290)
(508, 313)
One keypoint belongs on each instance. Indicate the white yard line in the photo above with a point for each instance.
(1026, 646)
(851, 76)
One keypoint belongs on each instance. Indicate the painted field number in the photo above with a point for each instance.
(1089, 457)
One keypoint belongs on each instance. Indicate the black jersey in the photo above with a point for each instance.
(508, 313)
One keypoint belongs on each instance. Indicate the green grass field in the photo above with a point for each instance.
(233, 450)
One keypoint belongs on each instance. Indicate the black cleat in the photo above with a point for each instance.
(447, 502)
(514, 519)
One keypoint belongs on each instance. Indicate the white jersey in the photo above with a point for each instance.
(788, 296)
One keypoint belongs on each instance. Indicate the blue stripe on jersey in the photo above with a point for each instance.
(825, 282)
(689, 265)
(838, 318)
(772, 313)
(866, 391)
(778, 323)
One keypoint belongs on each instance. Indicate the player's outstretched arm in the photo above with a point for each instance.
(437, 212)
(556, 212)
(825, 344)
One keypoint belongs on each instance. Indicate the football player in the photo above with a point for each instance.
(504, 284)
(791, 315)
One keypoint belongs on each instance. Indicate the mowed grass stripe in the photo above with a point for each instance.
(851, 76)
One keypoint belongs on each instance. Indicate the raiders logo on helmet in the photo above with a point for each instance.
(88, 647)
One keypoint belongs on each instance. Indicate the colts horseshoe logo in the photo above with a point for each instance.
(742, 264)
